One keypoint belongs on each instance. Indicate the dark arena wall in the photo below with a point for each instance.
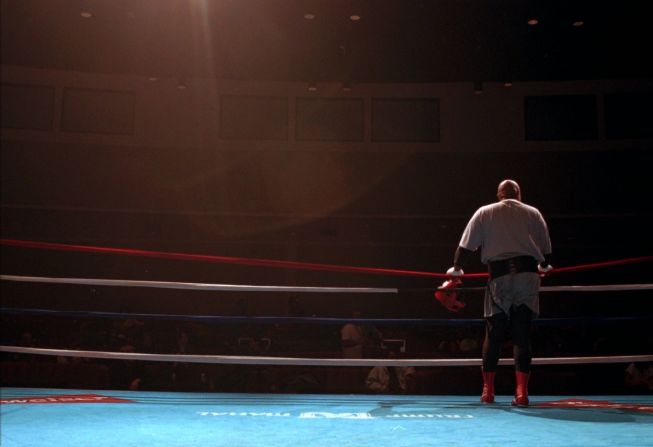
(356, 138)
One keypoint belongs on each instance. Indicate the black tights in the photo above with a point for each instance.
(496, 329)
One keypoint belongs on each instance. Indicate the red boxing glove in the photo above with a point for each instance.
(448, 297)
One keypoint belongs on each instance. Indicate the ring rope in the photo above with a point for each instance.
(230, 319)
(303, 361)
(598, 288)
(195, 286)
(285, 264)
(252, 262)
(294, 289)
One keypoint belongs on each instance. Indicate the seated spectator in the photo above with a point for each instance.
(351, 339)
(389, 379)
(639, 376)
(360, 341)
(467, 344)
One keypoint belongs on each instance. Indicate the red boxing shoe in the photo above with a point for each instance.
(488, 387)
(521, 389)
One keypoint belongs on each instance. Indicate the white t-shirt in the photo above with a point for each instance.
(507, 229)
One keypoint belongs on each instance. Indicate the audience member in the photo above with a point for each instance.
(639, 376)
(389, 379)
(360, 340)
(352, 339)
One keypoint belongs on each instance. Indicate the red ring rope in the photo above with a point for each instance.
(284, 264)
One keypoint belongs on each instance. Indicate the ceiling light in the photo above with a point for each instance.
(86, 14)
(354, 17)
(309, 16)
(507, 84)
(152, 79)
(533, 22)
(312, 87)
(578, 23)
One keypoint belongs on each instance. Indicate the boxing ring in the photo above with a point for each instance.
(184, 419)
(278, 416)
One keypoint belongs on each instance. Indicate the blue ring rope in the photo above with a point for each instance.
(314, 320)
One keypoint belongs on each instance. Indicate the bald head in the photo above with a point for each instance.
(508, 189)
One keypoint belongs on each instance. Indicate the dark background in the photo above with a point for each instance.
(390, 209)
(375, 207)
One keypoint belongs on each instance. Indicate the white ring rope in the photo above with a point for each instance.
(303, 361)
(195, 286)
(293, 289)
(598, 288)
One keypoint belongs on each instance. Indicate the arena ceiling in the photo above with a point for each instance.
(333, 40)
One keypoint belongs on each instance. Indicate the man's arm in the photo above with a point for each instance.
(461, 257)
(545, 266)
(545, 245)
(469, 243)
(547, 260)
